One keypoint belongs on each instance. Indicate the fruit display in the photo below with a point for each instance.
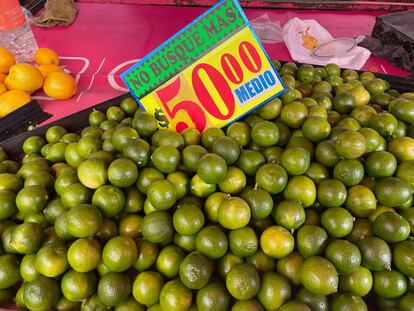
(304, 204)
(19, 81)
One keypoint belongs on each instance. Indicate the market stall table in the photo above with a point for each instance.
(106, 39)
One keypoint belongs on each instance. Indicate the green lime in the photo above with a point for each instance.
(391, 227)
(211, 297)
(227, 148)
(403, 257)
(358, 282)
(200, 188)
(63, 181)
(83, 220)
(181, 183)
(293, 114)
(78, 286)
(137, 150)
(350, 144)
(262, 262)
(114, 288)
(188, 220)
(277, 242)
(319, 276)
(185, 242)
(84, 255)
(240, 132)
(109, 199)
(129, 305)
(289, 214)
(9, 270)
(376, 254)
(265, 134)
(175, 296)
(313, 301)
(32, 199)
(75, 194)
(260, 203)
(7, 204)
(326, 154)
(233, 213)
(389, 284)
(331, 193)
(274, 290)
(162, 194)
(144, 123)
(92, 173)
(119, 253)
(27, 238)
(344, 255)
(348, 301)
(311, 240)
(343, 103)
(168, 261)
(55, 133)
(211, 168)
(243, 281)
(33, 144)
(41, 294)
(243, 242)
(272, 178)
(147, 176)
(212, 204)
(122, 173)
(166, 158)
(191, 136)
(380, 164)
(93, 131)
(402, 148)
(147, 287)
(210, 135)
(392, 192)
(316, 128)
(51, 260)
(171, 138)
(191, 155)
(96, 117)
(195, 271)
(147, 255)
(337, 221)
(226, 262)
(86, 146)
(349, 171)
(296, 160)
(289, 267)
(234, 181)
(360, 201)
(250, 304)
(211, 242)
(157, 227)
(300, 188)
(93, 303)
(28, 270)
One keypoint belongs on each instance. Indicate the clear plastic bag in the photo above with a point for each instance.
(267, 30)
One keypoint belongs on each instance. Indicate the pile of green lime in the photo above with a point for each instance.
(305, 204)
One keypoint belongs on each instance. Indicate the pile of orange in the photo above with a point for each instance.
(19, 81)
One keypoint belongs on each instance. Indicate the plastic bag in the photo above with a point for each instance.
(267, 30)
(303, 36)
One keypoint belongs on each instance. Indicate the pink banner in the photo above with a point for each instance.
(106, 39)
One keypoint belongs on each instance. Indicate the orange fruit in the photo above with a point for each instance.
(3, 88)
(24, 77)
(59, 85)
(46, 56)
(7, 60)
(2, 77)
(12, 100)
(49, 68)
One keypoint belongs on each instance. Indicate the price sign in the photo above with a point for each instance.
(211, 73)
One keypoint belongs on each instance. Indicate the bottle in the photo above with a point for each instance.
(15, 32)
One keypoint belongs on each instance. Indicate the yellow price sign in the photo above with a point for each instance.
(224, 82)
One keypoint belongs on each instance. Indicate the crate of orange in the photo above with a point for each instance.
(19, 81)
